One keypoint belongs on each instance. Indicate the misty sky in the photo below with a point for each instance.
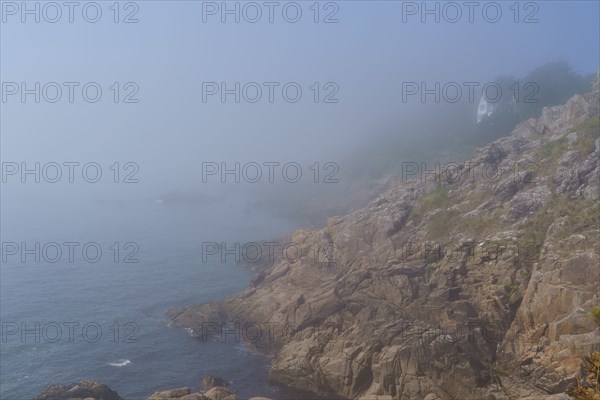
(171, 51)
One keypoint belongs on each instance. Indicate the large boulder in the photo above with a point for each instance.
(220, 393)
(210, 381)
(84, 390)
(177, 394)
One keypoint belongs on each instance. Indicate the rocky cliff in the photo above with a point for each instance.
(473, 280)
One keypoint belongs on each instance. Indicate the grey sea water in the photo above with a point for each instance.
(66, 321)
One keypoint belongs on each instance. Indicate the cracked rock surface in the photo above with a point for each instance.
(476, 287)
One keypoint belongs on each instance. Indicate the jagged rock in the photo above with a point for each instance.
(592, 190)
(528, 202)
(435, 299)
(508, 187)
(493, 154)
(177, 394)
(527, 129)
(171, 394)
(84, 390)
(220, 393)
(558, 119)
(210, 382)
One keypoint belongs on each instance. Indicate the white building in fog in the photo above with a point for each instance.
(485, 108)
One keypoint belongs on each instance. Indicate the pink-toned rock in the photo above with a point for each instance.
(474, 288)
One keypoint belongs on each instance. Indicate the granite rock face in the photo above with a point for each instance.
(475, 283)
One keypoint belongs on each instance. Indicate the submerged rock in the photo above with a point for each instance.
(84, 390)
(211, 381)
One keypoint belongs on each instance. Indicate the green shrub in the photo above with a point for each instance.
(442, 224)
(587, 133)
(511, 288)
(550, 152)
(596, 314)
(589, 388)
(437, 198)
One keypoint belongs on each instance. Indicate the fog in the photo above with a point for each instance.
(147, 129)
(172, 60)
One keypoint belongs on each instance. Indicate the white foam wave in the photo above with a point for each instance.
(119, 363)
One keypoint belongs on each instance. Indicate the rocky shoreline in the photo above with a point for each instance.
(215, 388)
(475, 282)
(453, 286)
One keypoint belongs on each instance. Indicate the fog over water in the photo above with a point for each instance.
(176, 126)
